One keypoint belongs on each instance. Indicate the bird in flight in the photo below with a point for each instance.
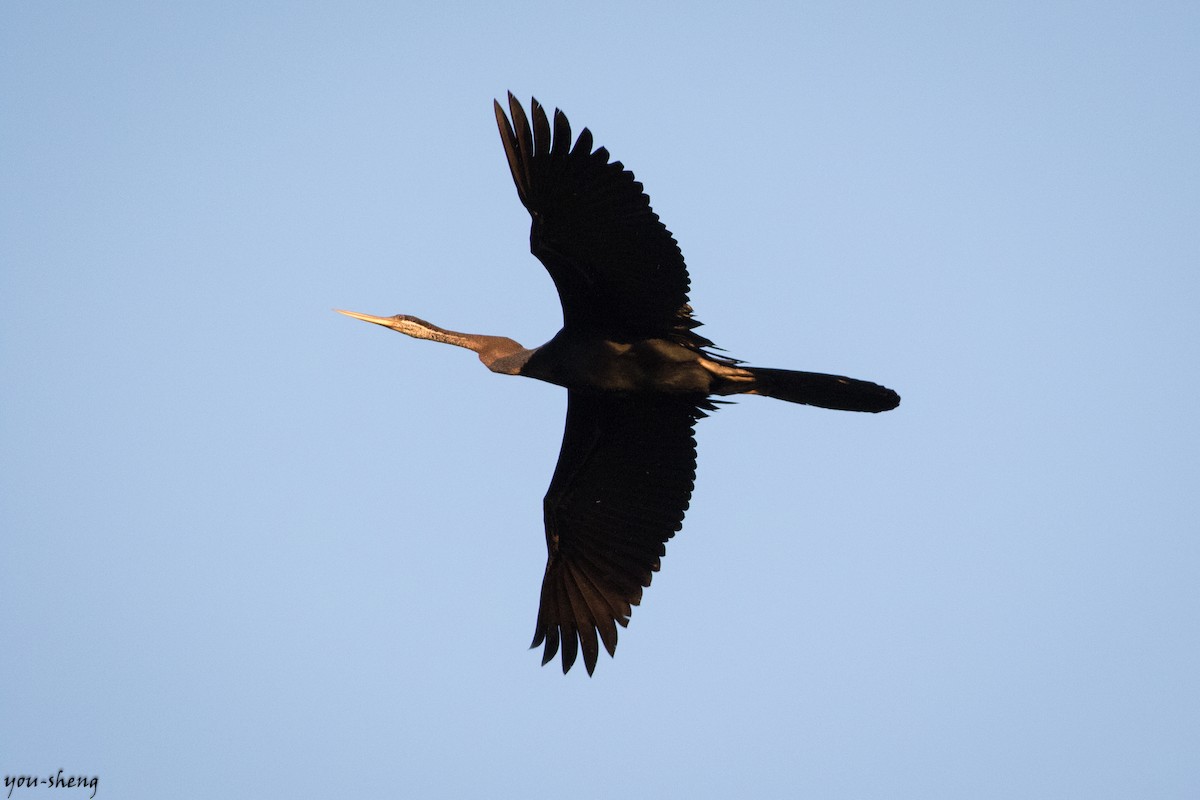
(638, 377)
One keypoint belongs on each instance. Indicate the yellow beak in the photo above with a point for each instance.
(384, 321)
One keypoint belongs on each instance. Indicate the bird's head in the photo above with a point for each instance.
(412, 326)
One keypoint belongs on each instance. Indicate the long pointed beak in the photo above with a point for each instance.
(384, 321)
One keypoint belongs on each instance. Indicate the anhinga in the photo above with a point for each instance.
(637, 374)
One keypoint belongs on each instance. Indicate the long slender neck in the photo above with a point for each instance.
(499, 354)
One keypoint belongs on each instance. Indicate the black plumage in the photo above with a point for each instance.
(638, 376)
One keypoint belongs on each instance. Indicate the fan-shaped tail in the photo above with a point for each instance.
(824, 391)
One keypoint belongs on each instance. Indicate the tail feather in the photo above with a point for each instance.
(825, 391)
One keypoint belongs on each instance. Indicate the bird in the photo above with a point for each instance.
(637, 373)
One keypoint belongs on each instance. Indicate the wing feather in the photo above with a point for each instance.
(622, 485)
(618, 270)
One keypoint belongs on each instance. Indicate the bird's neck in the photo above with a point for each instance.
(498, 353)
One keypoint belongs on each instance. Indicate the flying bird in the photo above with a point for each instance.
(638, 377)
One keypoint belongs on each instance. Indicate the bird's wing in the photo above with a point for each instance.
(619, 492)
(617, 268)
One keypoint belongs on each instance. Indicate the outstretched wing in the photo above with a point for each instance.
(617, 268)
(623, 482)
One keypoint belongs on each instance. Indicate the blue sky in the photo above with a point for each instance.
(254, 549)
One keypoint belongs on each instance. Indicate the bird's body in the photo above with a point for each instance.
(638, 375)
(639, 366)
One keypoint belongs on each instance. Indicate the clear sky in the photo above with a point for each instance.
(251, 548)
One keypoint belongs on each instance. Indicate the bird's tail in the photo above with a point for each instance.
(825, 391)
